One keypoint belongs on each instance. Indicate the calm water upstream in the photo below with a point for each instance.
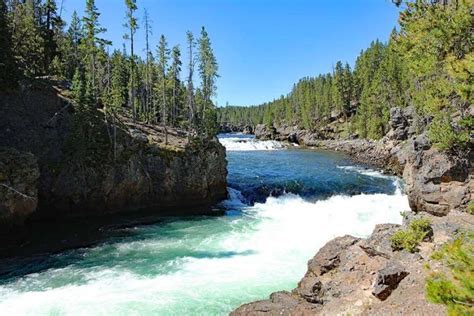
(284, 205)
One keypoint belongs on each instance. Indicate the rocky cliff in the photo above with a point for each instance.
(122, 167)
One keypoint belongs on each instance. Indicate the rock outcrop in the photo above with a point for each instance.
(232, 128)
(122, 167)
(19, 175)
(388, 279)
(365, 276)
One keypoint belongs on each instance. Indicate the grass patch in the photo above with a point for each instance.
(455, 288)
(470, 208)
(409, 239)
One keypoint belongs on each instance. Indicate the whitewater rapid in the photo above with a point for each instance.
(239, 143)
(228, 261)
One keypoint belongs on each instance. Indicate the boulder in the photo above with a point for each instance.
(279, 303)
(265, 132)
(398, 123)
(378, 243)
(247, 129)
(310, 288)
(404, 122)
(388, 279)
(436, 182)
(328, 257)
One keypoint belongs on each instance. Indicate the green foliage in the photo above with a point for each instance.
(8, 76)
(409, 239)
(470, 208)
(33, 43)
(28, 40)
(436, 43)
(455, 287)
(447, 135)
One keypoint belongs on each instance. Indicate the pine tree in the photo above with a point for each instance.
(163, 57)
(8, 72)
(132, 26)
(92, 31)
(175, 71)
(149, 102)
(208, 70)
(71, 50)
(27, 39)
(190, 85)
(119, 81)
(52, 25)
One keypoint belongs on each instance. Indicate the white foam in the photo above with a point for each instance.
(249, 144)
(397, 183)
(235, 200)
(272, 243)
(365, 171)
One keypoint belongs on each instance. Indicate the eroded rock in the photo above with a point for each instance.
(328, 257)
(378, 243)
(388, 279)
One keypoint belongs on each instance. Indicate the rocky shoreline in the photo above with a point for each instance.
(350, 275)
(436, 181)
(44, 181)
(357, 276)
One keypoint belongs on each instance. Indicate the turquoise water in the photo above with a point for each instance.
(284, 205)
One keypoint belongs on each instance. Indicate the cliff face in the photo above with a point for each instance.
(121, 167)
(19, 175)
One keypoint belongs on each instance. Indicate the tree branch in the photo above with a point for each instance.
(17, 192)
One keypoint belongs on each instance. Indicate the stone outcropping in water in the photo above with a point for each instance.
(139, 171)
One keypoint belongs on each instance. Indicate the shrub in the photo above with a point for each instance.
(410, 238)
(446, 136)
(470, 208)
(455, 289)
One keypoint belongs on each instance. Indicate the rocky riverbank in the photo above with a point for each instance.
(124, 167)
(353, 276)
(367, 276)
(436, 181)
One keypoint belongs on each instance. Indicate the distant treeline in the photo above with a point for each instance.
(428, 63)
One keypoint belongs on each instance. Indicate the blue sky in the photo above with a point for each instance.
(262, 46)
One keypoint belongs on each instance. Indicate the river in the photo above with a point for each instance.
(284, 204)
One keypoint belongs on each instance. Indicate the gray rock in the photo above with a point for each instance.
(388, 279)
(399, 124)
(378, 243)
(265, 132)
(310, 288)
(247, 129)
(328, 257)
(436, 181)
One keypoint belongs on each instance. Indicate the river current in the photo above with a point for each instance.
(284, 204)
